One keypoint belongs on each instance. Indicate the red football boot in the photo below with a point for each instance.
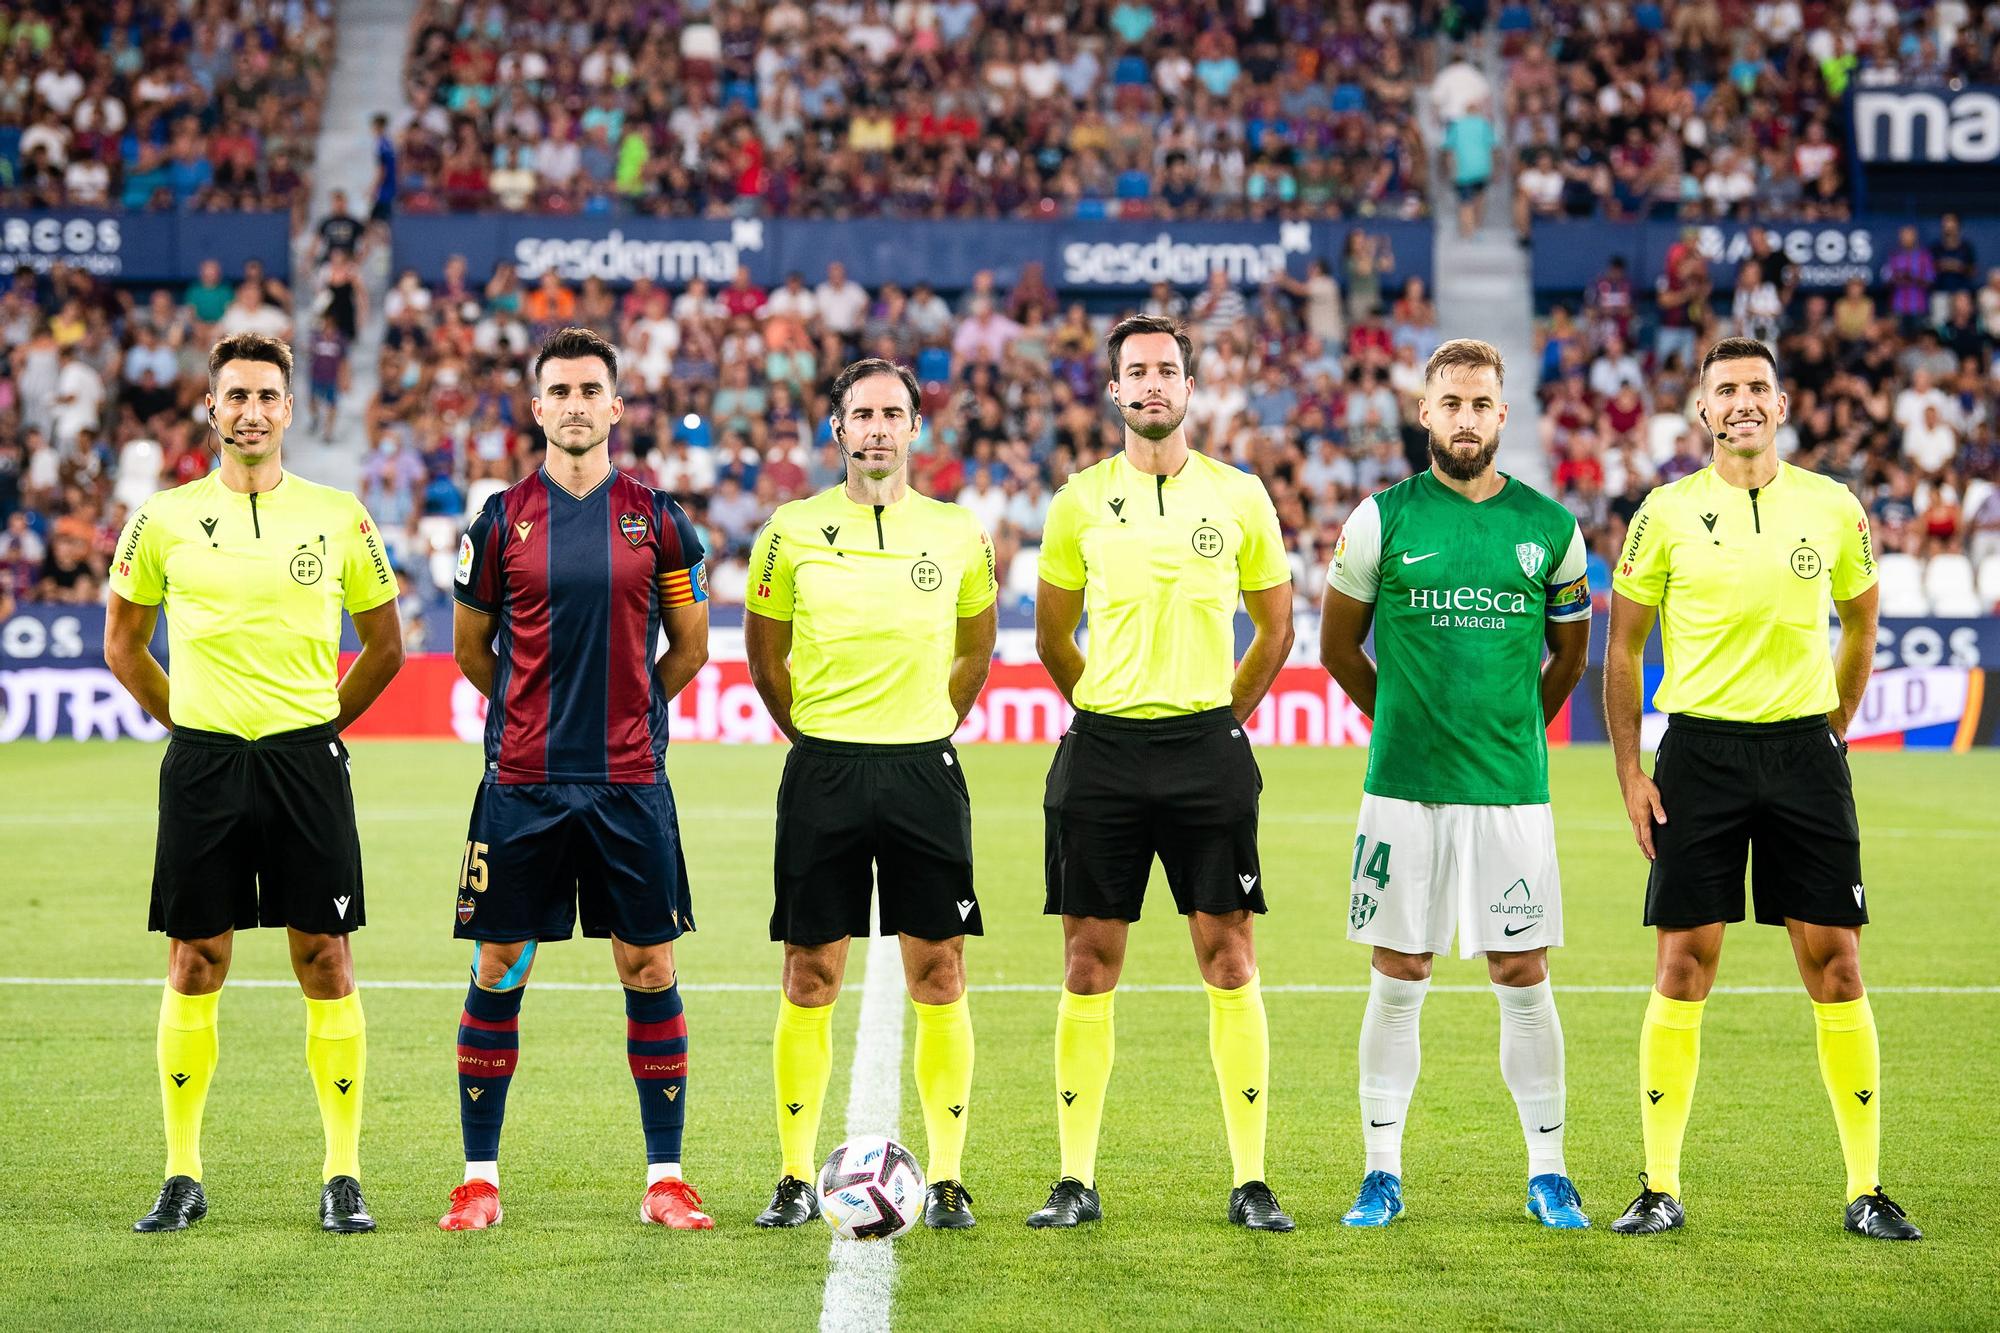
(672, 1202)
(475, 1206)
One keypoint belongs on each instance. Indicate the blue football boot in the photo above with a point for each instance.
(1379, 1203)
(1554, 1202)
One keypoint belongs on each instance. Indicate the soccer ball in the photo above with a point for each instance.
(871, 1189)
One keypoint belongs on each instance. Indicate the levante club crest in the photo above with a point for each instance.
(633, 526)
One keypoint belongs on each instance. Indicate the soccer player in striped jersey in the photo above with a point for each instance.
(565, 582)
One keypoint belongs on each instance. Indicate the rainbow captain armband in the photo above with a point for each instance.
(1571, 599)
(684, 587)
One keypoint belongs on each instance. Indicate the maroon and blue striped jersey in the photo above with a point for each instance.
(579, 584)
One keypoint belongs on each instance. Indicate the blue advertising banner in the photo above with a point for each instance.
(143, 247)
(1076, 257)
(1929, 126)
(1912, 146)
(1569, 256)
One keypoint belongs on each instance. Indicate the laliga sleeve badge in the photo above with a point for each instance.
(465, 559)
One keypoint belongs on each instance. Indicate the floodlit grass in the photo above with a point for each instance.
(82, 1140)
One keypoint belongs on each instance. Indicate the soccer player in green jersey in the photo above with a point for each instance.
(254, 567)
(870, 634)
(1465, 574)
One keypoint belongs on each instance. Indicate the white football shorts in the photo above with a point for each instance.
(1422, 872)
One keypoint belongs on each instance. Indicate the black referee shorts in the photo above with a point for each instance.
(1124, 790)
(853, 816)
(1778, 790)
(256, 833)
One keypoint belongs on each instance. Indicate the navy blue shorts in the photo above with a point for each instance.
(537, 852)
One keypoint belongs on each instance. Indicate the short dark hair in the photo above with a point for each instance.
(874, 365)
(1114, 345)
(1736, 349)
(249, 347)
(573, 344)
(1465, 354)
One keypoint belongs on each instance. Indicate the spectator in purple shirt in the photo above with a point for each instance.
(1910, 274)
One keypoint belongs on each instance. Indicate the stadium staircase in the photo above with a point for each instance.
(367, 79)
(1482, 284)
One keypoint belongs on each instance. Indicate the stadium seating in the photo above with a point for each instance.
(1948, 583)
(1903, 586)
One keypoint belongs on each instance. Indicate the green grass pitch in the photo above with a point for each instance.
(81, 1147)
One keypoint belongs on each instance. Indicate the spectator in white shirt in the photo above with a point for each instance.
(1614, 366)
(249, 313)
(985, 498)
(80, 397)
(794, 299)
(1930, 442)
(843, 302)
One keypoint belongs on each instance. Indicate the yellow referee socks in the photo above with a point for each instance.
(1669, 1055)
(801, 1058)
(944, 1083)
(337, 1056)
(1850, 1061)
(1239, 1045)
(187, 1052)
(1084, 1047)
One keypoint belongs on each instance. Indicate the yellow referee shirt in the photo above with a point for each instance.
(1744, 580)
(1161, 561)
(874, 594)
(253, 587)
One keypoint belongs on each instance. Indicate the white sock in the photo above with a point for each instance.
(1531, 1060)
(486, 1171)
(1390, 1058)
(659, 1171)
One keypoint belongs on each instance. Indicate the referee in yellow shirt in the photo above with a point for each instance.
(1158, 541)
(1739, 562)
(870, 634)
(254, 567)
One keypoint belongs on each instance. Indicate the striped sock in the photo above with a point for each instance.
(656, 1044)
(489, 1046)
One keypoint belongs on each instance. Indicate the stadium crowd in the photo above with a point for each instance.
(1894, 390)
(1310, 382)
(1706, 109)
(852, 108)
(210, 107)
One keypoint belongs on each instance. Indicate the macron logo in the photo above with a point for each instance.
(1248, 882)
(340, 906)
(964, 909)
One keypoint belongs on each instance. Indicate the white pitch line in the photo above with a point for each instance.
(861, 1282)
(995, 988)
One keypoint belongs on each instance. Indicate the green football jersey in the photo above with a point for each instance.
(1462, 592)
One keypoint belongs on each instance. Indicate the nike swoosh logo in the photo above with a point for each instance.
(1380, 1124)
(1515, 930)
(1416, 559)
(1549, 1129)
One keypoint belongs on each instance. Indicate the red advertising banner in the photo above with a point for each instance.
(429, 698)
